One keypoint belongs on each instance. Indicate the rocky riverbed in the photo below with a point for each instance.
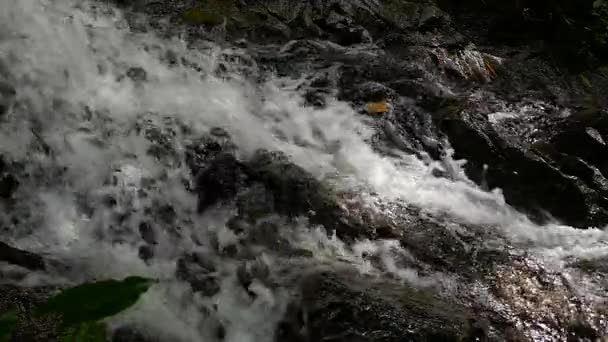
(225, 148)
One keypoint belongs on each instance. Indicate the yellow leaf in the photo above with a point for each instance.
(490, 68)
(377, 107)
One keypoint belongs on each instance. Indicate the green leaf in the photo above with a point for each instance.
(95, 301)
(85, 332)
(8, 322)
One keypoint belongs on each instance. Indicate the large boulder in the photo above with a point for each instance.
(529, 182)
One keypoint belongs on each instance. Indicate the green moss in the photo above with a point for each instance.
(210, 13)
(446, 107)
(197, 16)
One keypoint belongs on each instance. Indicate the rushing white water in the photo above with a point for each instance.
(68, 59)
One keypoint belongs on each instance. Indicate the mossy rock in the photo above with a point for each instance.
(210, 13)
(197, 16)
(444, 107)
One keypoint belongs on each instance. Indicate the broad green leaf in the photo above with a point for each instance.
(8, 321)
(95, 301)
(85, 332)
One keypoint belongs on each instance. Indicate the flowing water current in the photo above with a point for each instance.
(72, 127)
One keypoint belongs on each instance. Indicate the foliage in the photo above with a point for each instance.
(7, 325)
(81, 308)
(94, 301)
(85, 332)
(600, 13)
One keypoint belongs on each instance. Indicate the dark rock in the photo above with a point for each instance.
(444, 250)
(221, 180)
(237, 224)
(587, 144)
(146, 253)
(21, 258)
(202, 151)
(147, 233)
(297, 193)
(219, 132)
(253, 270)
(255, 202)
(137, 74)
(206, 286)
(166, 214)
(342, 31)
(528, 182)
(8, 185)
(197, 270)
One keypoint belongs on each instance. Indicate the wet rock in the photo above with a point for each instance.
(587, 144)
(220, 180)
(352, 308)
(21, 258)
(528, 181)
(255, 202)
(147, 233)
(407, 15)
(8, 182)
(535, 295)
(198, 270)
(594, 117)
(146, 253)
(219, 132)
(161, 134)
(444, 249)
(200, 152)
(8, 185)
(137, 74)
(7, 97)
(253, 270)
(165, 213)
(237, 224)
(297, 193)
(342, 30)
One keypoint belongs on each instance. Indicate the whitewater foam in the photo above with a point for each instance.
(68, 61)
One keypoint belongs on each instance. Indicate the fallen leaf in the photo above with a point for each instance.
(490, 68)
(377, 107)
